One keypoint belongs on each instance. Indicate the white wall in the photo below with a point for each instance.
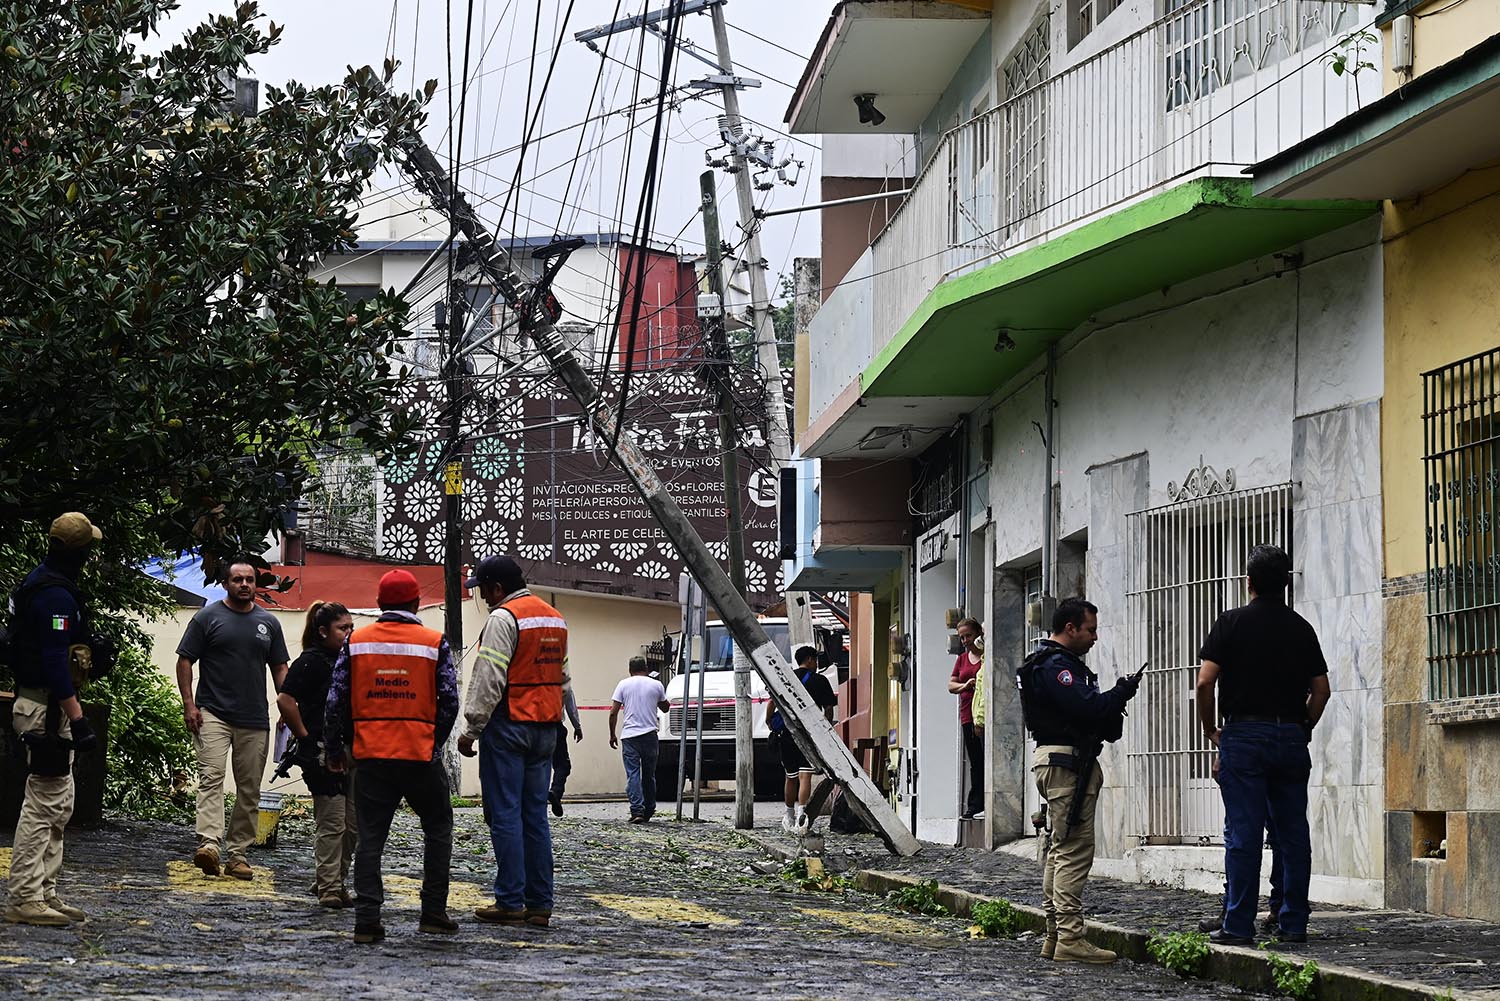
(868, 155)
(1199, 372)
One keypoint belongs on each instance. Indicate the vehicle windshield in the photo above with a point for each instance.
(721, 645)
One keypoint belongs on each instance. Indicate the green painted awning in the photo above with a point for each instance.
(947, 347)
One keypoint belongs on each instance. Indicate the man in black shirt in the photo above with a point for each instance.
(1272, 687)
(798, 771)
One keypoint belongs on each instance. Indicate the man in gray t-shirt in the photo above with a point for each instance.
(234, 642)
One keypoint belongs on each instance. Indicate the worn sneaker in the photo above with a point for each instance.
(538, 919)
(556, 802)
(369, 934)
(636, 818)
(207, 859)
(1081, 951)
(494, 914)
(437, 923)
(34, 912)
(239, 869)
(71, 913)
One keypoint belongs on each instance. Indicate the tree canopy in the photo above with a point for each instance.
(168, 367)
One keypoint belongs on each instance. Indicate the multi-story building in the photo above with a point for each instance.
(1083, 356)
(1429, 152)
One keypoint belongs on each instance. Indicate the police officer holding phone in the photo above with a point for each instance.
(1070, 719)
(50, 642)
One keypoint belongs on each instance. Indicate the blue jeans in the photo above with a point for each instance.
(1263, 772)
(515, 771)
(640, 753)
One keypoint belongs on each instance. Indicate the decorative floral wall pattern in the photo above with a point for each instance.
(538, 486)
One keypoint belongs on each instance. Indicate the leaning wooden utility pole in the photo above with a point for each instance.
(720, 377)
(813, 734)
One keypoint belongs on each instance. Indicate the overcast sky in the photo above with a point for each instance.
(322, 37)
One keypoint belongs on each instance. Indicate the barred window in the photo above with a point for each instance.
(1461, 459)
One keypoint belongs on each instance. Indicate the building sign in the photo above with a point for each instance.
(538, 484)
(931, 548)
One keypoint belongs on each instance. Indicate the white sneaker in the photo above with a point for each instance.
(786, 823)
(978, 816)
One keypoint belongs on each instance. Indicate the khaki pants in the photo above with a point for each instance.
(216, 742)
(1070, 853)
(333, 847)
(37, 852)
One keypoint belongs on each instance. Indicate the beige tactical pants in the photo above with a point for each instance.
(37, 851)
(334, 844)
(1070, 854)
(217, 742)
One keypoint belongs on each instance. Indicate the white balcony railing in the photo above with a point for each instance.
(1208, 89)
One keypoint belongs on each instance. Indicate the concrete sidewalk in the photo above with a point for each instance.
(1361, 954)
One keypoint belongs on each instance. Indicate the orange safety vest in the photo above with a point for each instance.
(533, 684)
(393, 690)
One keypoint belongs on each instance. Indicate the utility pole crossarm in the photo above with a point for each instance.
(805, 721)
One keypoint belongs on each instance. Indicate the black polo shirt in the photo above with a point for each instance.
(1268, 656)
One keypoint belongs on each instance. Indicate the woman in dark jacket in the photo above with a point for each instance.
(302, 699)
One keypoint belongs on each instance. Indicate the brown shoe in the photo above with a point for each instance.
(538, 919)
(207, 859)
(437, 923)
(1049, 947)
(1081, 950)
(66, 910)
(333, 900)
(239, 869)
(494, 914)
(34, 912)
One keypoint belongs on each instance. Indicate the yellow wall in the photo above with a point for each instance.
(603, 633)
(1439, 37)
(1442, 303)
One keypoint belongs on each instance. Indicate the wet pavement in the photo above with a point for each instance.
(660, 910)
(1429, 949)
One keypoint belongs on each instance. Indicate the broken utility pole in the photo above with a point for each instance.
(718, 370)
(535, 308)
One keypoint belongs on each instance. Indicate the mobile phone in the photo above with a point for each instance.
(1137, 675)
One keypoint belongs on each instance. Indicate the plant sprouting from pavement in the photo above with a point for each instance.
(1297, 981)
(995, 919)
(919, 898)
(1181, 952)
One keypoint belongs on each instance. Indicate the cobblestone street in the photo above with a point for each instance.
(667, 910)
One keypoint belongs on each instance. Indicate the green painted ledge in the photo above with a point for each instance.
(947, 347)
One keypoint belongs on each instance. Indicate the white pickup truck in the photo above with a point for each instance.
(717, 676)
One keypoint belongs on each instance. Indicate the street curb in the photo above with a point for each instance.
(1235, 965)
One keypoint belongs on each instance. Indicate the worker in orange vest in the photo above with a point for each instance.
(395, 694)
(513, 708)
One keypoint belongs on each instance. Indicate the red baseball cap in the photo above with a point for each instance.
(399, 587)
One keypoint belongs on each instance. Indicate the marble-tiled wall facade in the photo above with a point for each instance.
(1115, 490)
(1336, 553)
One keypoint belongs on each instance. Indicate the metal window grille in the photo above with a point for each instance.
(1026, 123)
(1210, 43)
(1461, 456)
(1186, 565)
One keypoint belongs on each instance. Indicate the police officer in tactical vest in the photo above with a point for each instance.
(50, 644)
(1070, 719)
(394, 692)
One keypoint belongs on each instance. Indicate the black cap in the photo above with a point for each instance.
(500, 570)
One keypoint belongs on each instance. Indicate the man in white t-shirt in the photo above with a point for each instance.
(640, 695)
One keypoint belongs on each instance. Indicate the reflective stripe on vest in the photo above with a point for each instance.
(393, 690)
(533, 684)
